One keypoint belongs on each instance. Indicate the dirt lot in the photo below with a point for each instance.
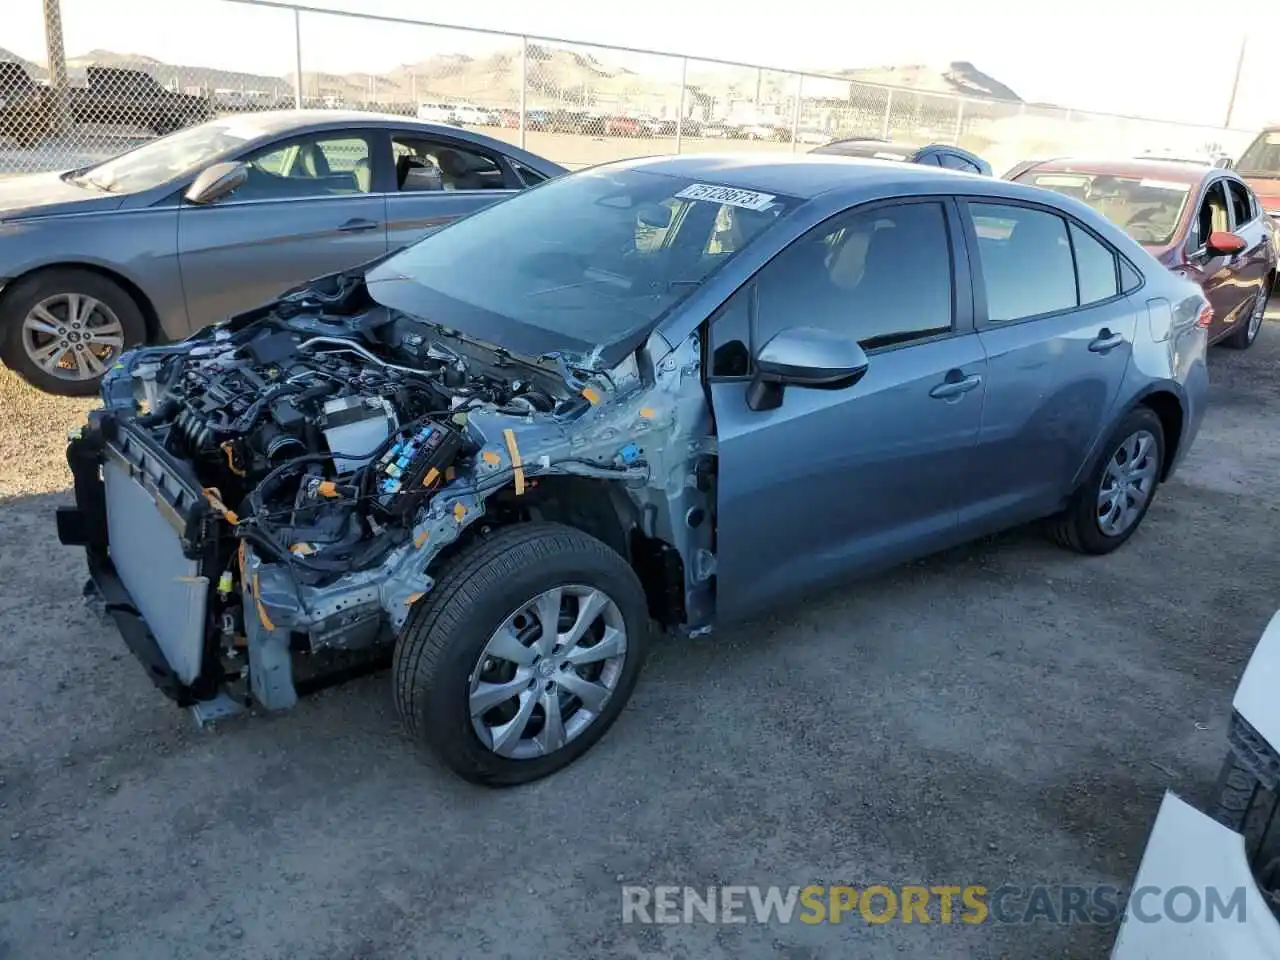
(1002, 713)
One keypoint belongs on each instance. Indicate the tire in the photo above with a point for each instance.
(445, 643)
(1079, 526)
(119, 320)
(1241, 803)
(1246, 331)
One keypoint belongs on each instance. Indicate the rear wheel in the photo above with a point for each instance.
(1247, 331)
(523, 654)
(1112, 502)
(63, 329)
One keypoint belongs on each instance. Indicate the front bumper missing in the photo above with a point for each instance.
(155, 580)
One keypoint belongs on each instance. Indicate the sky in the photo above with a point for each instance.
(1139, 57)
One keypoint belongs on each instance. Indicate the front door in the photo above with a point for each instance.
(836, 482)
(306, 210)
(1058, 334)
(1218, 275)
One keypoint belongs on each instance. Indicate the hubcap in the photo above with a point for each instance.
(1127, 483)
(547, 672)
(72, 336)
(1259, 311)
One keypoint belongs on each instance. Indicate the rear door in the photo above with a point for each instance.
(1253, 264)
(307, 209)
(834, 482)
(1058, 331)
(436, 180)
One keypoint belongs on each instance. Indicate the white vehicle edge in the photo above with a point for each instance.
(1192, 849)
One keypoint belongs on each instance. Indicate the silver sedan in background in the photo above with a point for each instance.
(219, 218)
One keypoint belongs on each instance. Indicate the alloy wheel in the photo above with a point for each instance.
(1127, 483)
(547, 672)
(72, 336)
(1255, 318)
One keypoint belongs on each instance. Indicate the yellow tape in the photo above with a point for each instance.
(420, 539)
(214, 496)
(648, 413)
(516, 462)
(327, 488)
(491, 458)
(432, 475)
(592, 396)
(262, 611)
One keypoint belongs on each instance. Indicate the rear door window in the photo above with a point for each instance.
(1095, 267)
(1241, 211)
(1026, 262)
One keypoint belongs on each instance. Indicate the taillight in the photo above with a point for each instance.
(1206, 316)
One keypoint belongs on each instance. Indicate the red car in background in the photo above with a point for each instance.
(1259, 167)
(1202, 222)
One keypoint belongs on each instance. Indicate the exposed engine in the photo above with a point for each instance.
(327, 445)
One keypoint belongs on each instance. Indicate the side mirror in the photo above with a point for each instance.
(217, 181)
(1224, 244)
(804, 357)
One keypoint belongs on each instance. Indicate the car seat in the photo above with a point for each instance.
(363, 175)
(455, 171)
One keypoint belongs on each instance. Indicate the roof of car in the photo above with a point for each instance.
(867, 147)
(1177, 171)
(804, 175)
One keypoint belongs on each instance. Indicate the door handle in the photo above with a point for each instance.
(357, 224)
(1105, 341)
(951, 388)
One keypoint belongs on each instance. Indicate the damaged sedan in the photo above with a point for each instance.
(660, 394)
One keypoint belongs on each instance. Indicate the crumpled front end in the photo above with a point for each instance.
(262, 505)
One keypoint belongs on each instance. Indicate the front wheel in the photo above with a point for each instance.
(523, 654)
(1110, 504)
(63, 329)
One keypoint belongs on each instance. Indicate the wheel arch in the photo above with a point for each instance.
(149, 313)
(601, 509)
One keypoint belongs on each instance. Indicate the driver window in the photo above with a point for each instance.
(1211, 217)
(317, 166)
(882, 277)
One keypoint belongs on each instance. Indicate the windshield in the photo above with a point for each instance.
(160, 161)
(580, 261)
(1262, 159)
(1146, 209)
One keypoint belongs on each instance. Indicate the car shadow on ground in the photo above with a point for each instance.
(1003, 713)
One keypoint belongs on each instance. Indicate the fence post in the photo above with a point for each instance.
(888, 108)
(795, 112)
(524, 83)
(60, 116)
(684, 76)
(959, 121)
(297, 58)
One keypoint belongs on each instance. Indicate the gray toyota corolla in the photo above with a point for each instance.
(670, 391)
(219, 218)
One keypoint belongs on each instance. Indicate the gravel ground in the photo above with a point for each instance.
(1005, 712)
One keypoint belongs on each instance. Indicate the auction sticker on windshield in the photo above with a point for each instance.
(747, 199)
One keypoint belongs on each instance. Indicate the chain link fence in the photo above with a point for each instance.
(573, 103)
